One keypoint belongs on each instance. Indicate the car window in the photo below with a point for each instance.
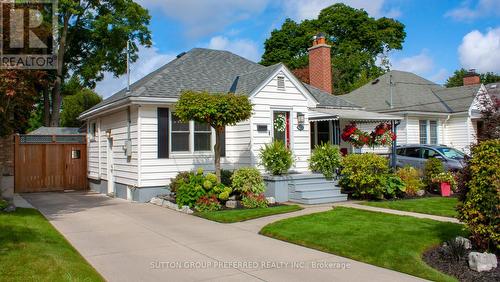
(413, 152)
(400, 151)
(451, 153)
(429, 153)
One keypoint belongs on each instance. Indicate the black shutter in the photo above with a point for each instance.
(223, 143)
(163, 130)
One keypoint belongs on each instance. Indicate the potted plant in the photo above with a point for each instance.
(277, 159)
(446, 182)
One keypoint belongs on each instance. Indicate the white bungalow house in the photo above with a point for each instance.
(432, 114)
(136, 144)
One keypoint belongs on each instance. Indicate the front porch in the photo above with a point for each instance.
(327, 124)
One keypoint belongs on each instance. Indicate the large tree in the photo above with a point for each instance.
(18, 89)
(92, 40)
(357, 41)
(457, 79)
(73, 105)
(217, 109)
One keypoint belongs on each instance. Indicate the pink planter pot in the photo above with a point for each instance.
(445, 189)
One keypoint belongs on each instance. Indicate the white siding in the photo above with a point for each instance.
(270, 99)
(158, 172)
(125, 169)
(460, 133)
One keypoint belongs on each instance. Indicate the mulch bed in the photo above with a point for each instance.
(460, 270)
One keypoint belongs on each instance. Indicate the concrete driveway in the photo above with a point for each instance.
(140, 242)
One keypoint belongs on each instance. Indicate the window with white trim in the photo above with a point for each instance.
(93, 131)
(281, 82)
(202, 137)
(180, 135)
(428, 132)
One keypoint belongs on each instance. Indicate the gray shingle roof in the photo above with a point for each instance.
(328, 100)
(209, 70)
(411, 92)
(56, 131)
(494, 89)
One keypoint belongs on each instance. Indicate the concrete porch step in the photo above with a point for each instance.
(320, 200)
(315, 194)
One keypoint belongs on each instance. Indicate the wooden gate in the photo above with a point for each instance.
(50, 163)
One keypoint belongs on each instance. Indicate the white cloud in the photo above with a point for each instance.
(149, 60)
(242, 47)
(308, 9)
(419, 64)
(481, 51)
(467, 12)
(440, 76)
(204, 17)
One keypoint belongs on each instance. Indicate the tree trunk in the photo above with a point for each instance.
(46, 108)
(56, 91)
(218, 132)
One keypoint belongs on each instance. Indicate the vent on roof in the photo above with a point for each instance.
(493, 86)
(181, 54)
(281, 82)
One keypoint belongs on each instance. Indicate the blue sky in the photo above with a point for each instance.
(442, 35)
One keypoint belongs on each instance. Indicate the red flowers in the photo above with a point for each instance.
(381, 136)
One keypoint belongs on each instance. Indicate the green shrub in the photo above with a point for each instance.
(325, 158)
(412, 180)
(3, 204)
(225, 177)
(248, 180)
(276, 158)
(480, 209)
(432, 167)
(199, 185)
(180, 178)
(394, 186)
(207, 204)
(364, 175)
(252, 201)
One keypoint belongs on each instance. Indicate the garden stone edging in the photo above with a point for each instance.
(169, 205)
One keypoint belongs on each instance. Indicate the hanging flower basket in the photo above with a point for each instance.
(381, 136)
(354, 136)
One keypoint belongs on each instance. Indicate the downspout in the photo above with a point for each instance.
(445, 131)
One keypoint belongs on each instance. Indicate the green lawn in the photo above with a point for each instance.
(32, 250)
(237, 215)
(442, 206)
(386, 240)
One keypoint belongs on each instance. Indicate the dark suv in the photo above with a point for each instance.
(417, 155)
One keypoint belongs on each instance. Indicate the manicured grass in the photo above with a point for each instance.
(32, 250)
(386, 240)
(442, 206)
(237, 215)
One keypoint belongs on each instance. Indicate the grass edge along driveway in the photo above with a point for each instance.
(390, 241)
(31, 249)
(442, 206)
(237, 215)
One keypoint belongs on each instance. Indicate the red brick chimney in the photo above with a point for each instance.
(471, 78)
(320, 66)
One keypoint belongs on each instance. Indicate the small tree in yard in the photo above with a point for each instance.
(217, 109)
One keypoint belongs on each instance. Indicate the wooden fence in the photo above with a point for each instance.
(50, 163)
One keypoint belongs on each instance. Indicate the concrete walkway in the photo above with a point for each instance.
(398, 212)
(141, 242)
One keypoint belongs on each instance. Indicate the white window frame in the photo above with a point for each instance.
(428, 131)
(191, 150)
(93, 131)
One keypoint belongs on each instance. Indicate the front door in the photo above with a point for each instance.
(281, 127)
(110, 167)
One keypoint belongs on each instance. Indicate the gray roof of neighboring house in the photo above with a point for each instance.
(494, 89)
(411, 92)
(208, 70)
(56, 131)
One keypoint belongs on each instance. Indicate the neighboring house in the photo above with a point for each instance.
(136, 144)
(432, 114)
